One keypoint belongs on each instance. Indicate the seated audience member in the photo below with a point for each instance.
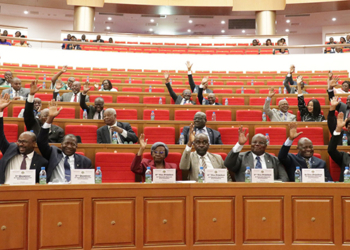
(35, 122)
(4, 41)
(342, 40)
(268, 42)
(98, 39)
(16, 91)
(256, 158)
(6, 81)
(178, 99)
(107, 86)
(159, 152)
(255, 42)
(304, 158)
(110, 40)
(73, 46)
(64, 86)
(18, 34)
(345, 86)
(194, 87)
(5, 33)
(280, 115)
(73, 96)
(340, 107)
(192, 161)
(348, 38)
(93, 111)
(311, 112)
(17, 155)
(66, 39)
(283, 41)
(36, 108)
(123, 129)
(289, 81)
(21, 43)
(199, 122)
(330, 50)
(83, 38)
(211, 96)
(332, 119)
(61, 161)
(280, 50)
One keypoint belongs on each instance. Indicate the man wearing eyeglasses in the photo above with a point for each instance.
(256, 158)
(281, 114)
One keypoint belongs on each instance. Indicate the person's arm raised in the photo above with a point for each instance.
(170, 89)
(56, 76)
(53, 111)
(143, 144)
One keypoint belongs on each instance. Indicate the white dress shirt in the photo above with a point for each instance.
(78, 97)
(206, 159)
(59, 172)
(16, 93)
(124, 133)
(15, 164)
(96, 115)
(237, 148)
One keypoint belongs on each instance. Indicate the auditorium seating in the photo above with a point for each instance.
(221, 115)
(16, 110)
(128, 99)
(11, 132)
(159, 114)
(277, 135)
(163, 134)
(315, 134)
(106, 98)
(229, 135)
(88, 133)
(248, 115)
(185, 115)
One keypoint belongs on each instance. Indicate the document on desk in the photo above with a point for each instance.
(22, 177)
(164, 175)
(215, 175)
(312, 175)
(260, 175)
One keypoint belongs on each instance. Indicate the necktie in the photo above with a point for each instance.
(204, 165)
(24, 164)
(99, 116)
(258, 163)
(66, 169)
(75, 98)
(307, 163)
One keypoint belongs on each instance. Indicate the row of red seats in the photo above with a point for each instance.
(182, 44)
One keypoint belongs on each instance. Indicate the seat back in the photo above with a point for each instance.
(16, 110)
(163, 134)
(315, 134)
(258, 101)
(128, 99)
(277, 135)
(67, 113)
(126, 114)
(233, 100)
(334, 169)
(106, 98)
(11, 132)
(230, 135)
(159, 114)
(249, 115)
(88, 133)
(153, 99)
(221, 115)
(44, 97)
(185, 115)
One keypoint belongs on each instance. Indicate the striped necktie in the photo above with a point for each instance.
(204, 165)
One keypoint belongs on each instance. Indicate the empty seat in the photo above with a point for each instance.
(318, 83)
(230, 135)
(26, 77)
(88, 133)
(246, 91)
(266, 91)
(132, 89)
(126, 114)
(11, 132)
(159, 114)
(274, 83)
(233, 100)
(277, 135)
(44, 96)
(128, 99)
(162, 134)
(223, 91)
(321, 100)
(235, 83)
(16, 110)
(221, 115)
(249, 115)
(155, 90)
(153, 99)
(257, 101)
(316, 91)
(67, 113)
(185, 115)
(315, 134)
(132, 81)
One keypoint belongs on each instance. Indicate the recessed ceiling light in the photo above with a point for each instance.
(222, 22)
(109, 18)
(152, 20)
(150, 29)
(334, 19)
(188, 30)
(243, 31)
(108, 28)
(26, 12)
(288, 21)
(190, 21)
(222, 31)
(287, 30)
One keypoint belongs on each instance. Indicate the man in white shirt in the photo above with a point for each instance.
(16, 92)
(73, 96)
(256, 158)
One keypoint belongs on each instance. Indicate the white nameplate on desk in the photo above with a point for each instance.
(260, 175)
(312, 175)
(82, 176)
(22, 177)
(215, 175)
(164, 175)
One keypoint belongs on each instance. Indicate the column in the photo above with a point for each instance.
(84, 18)
(265, 22)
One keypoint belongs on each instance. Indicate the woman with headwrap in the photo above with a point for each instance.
(159, 152)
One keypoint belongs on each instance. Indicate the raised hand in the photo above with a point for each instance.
(86, 88)
(299, 80)
(4, 102)
(334, 103)
(191, 135)
(166, 77)
(330, 75)
(271, 92)
(34, 87)
(53, 109)
(142, 141)
(333, 82)
(293, 131)
(64, 69)
(189, 65)
(292, 69)
(340, 122)
(242, 138)
(205, 80)
(58, 85)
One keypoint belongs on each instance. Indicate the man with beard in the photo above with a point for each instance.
(280, 115)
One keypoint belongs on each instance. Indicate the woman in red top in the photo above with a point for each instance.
(159, 152)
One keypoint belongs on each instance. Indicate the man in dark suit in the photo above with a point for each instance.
(98, 39)
(61, 161)
(32, 123)
(19, 155)
(194, 87)
(94, 112)
(256, 158)
(211, 96)
(304, 158)
(332, 120)
(178, 99)
(18, 93)
(73, 96)
(199, 121)
(123, 129)
(288, 81)
(6, 81)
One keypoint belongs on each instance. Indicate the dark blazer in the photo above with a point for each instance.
(177, 98)
(9, 150)
(66, 97)
(4, 82)
(215, 136)
(54, 155)
(341, 158)
(341, 107)
(237, 162)
(332, 125)
(289, 81)
(71, 47)
(306, 116)
(200, 98)
(89, 109)
(291, 161)
(23, 92)
(100, 41)
(194, 87)
(56, 133)
(103, 133)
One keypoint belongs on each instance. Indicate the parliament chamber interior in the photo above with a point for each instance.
(117, 87)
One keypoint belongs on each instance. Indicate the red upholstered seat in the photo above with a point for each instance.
(315, 134)
(26, 77)
(249, 115)
(224, 91)
(16, 110)
(132, 89)
(67, 113)
(185, 115)
(321, 100)
(5, 112)
(126, 114)
(156, 90)
(153, 99)
(163, 134)
(221, 115)
(133, 81)
(315, 91)
(318, 83)
(223, 155)
(106, 98)
(334, 169)
(291, 100)
(11, 132)
(257, 101)
(128, 99)
(264, 77)
(179, 90)
(48, 78)
(266, 91)
(246, 91)
(88, 133)
(22, 71)
(153, 82)
(247, 77)
(230, 135)
(277, 135)
(233, 100)
(159, 114)
(47, 66)
(274, 83)
(115, 166)
(44, 97)
(234, 83)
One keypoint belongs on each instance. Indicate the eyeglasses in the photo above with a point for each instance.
(159, 152)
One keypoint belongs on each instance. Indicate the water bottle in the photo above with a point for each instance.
(115, 138)
(211, 82)
(346, 175)
(85, 114)
(32, 130)
(150, 89)
(285, 90)
(148, 175)
(297, 175)
(44, 77)
(11, 94)
(58, 98)
(44, 85)
(213, 117)
(129, 80)
(171, 81)
(160, 100)
(345, 140)
(242, 90)
(279, 90)
(98, 176)
(248, 176)
(264, 117)
(200, 175)
(42, 176)
(267, 139)
(203, 101)
(252, 82)
(152, 115)
(87, 79)
(226, 102)
(182, 139)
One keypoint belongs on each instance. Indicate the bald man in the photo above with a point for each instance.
(255, 158)
(278, 115)
(183, 99)
(16, 92)
(17, 155)
(211, 96)
(6, 81)
(305, 157)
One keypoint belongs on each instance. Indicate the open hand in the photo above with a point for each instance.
(58, 85)
(333, 82)
(334, 102)
(34, 87)
(64, 69)
(293, 131)
(189, 65)
(191, 135)
(330, 75)
(166, 77)
(292, 69)
(205, 80)
(242, 137)
(86, 87)
(340, 122)
(53, 109)
(271, 92)
(4, 102)
(142, 141)
(299, 80)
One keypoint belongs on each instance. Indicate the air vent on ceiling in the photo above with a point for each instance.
(34, 12)
(200, 26)
(198, 33)
(293, 31)
(241, 24)
(69, 15)
(110, 14)
(154, 16)
(295, 24)
(151, 24)
(297, 15)
(201, 16)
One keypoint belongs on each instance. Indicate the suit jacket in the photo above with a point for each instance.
(4, 82)
(291, 161)
(200, 98)
(100, 41)
(177, 98)
(66, 97)
(291, 90)
(214, 136)
(274, 114)
(189, 161)
(103, 134)
(22, 92)
(54, 154)
(9, 150)
(341, 107)
(89, 109)
(194, 87)
(237, 162)
(341, 158)
(71, 47)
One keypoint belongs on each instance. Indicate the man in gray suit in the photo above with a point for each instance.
(194, 87)
(201, 157)
(178, 99)
(16, 92)
(256, 158)
(278, 115)
(73, 96)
